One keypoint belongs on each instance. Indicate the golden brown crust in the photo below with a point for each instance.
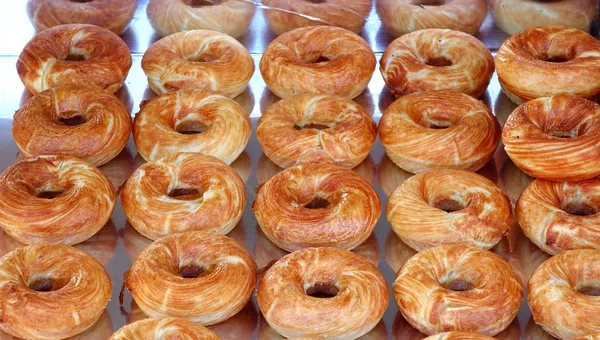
(292, 64)
(156, 205)
(232, 17)
(567, 282)
(76, 54)
(405, 16)
(513, 16)
(560, 216)
(459, 336)
(114, 15)
(317, 205)
(315, 128)
(409, 63)
(83, 122)
(483, 294)
(449, 206)
(219, 126)
(594, 336)
(439, 130)
(286, 15)
(84, 202)
(361, 299)
(545, 61)
(224, 284)
(74, 279)
(555, 138)
(164, 328)
(198, 59)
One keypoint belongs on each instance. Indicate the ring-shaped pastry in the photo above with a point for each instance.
(459, 336)
(78, 121)
(183, 192)
(199, 59)
(76, 54)
(317, 205)
(191, 121)
(567, 282)
(544, 61)
(54, 199)
(199, 276)
(437, 60)
(449, 206)
(114, 15)
(555, 138)
(439, 130)
(164, 328)
(318, 60)
(458, 288)
(405, 16)
(315, 128)
(322, 292)
(51, 291)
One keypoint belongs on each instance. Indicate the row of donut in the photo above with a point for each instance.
(171, 16)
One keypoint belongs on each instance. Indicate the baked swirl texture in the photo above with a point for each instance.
(449, 206)
(198, 59)
(439, 130)
(437, 59)
(317, 205)
(164, 328)
(79, 121)
(186, 191)
(322, 292)
(459, 336)
(51, 291)
(203, 277)
(458, 288)
(319, 60)
(54, 199)
(316, 128)
(76, 54)
(544, 61)
(554, 138)
(191, 121)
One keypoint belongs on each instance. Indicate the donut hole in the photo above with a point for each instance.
(72, 119)
(81, 1)
(322, 290)
(75, 57)
(317, 1)
(44, 285)
(49, 194)
(317, 203)
(315, 58)
(202, 3)
(579, 209)
(203, 58)
(429, 2)
(191, 127)
(192, 271)
(437, 125)
(314, 126)
(448, 205)
(185, 194)
(457, 285)
(589, 290)
(439, 62)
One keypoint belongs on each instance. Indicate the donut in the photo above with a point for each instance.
(555, 138)
(191, 121)
(544, 61)
(83, 122)
(402, 17)
(54, 199)
(286, 15)
(437, 60)
(318, 60)
(76, 54)
(326, 292)
(459, 336)
(449, 206)
(458, 288)
(317, 205)
(430, 130)
(198, 59)
(567, 282)
(513, 16)
(594, 336)
(186, 191)
(164, 328)
(34, 278)
(232, 17)
(316, 128)
(200, 276)
(114, 15)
